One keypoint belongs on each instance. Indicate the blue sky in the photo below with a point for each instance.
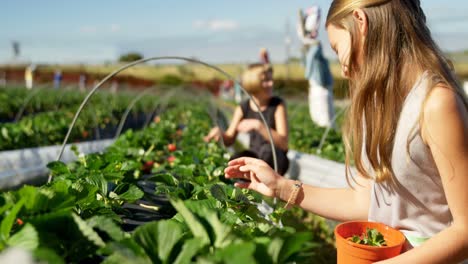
(94, 31)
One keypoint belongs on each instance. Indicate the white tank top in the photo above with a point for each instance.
(416, 205)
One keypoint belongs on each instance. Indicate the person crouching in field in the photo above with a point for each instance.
(258, 82)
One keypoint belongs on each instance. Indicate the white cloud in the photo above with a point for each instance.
(88, 29)
(199, 24)
(115, 28)
(216, 25)
(223, 25)
(66, 52)
(93, 30)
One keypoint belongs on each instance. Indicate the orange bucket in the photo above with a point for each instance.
(352, 253)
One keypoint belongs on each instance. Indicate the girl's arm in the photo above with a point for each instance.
(229, 136)
(445, 130)
(304, 39)
(340, 204)
(301, 32)
(343, 204)
(231, 133)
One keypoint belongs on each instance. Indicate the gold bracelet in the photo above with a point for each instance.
(293, 197)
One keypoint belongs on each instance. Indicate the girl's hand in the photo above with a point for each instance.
(215, 133)
(258, 175)
(247, 125)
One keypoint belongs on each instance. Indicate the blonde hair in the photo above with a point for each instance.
(254, 76)
(397, 43)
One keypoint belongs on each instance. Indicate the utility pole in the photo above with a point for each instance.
(16, 49)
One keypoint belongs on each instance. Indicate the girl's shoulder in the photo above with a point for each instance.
(443, 104)
(443, 99)
(276, 100)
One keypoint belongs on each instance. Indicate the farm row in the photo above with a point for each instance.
(47, 114)
(157, 196)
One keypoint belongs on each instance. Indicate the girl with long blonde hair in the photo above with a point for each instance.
(407, 132)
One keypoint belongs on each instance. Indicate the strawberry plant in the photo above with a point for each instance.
(372, 237)
(305, 136)
(113, 207)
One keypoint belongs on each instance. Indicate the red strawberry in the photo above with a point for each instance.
(171, 147)
(19, 221)
(146, 168)
(171, 159)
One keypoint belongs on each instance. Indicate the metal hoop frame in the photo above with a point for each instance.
(126, 66)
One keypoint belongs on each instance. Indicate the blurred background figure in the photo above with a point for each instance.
(82, 81)
(29, 76)
(257, 80)
(16, 49)
(264, 57)
(317, 70)
(57, 78)
(227, 89)
(237, 93)
(114, 86)
(2, 78)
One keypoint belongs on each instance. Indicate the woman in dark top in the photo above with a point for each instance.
(258, 82)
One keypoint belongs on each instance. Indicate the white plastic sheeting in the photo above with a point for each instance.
(316, 171)
(18, 166)
(311, 169)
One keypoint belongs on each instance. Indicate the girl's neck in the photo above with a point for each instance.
(262, 102)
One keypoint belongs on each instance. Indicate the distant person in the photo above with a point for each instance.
(57, 78)
(29, 76)
(3, 78)
(264, 56)
(114, 86)
(258, 82)
(227, 89)
(82, 81)
(237, 93)
(317, 70)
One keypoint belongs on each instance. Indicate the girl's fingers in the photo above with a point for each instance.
(238, 161)
(233, 172)
(248, 168)
(243, 160)
(237, 172)
(244, 185)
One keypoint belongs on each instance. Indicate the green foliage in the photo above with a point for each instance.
(130, 57)
(171, 79)
(372, 237)
(79, 216)
(305, 136)
(49, 113)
